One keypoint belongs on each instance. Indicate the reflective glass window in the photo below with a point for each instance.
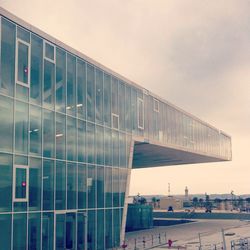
(35, 131)
(81, 141)
(122, 150)
(6, 128)
(35, 180)
(71, 185)
(71, 138)
(71, 85)
(116, 227)
(82, 186)
(92, 229)
(49, 84)
(100, 186)
(48, 133)
(60, 185)
(134, 109)
(99, 145)
(121, 106)
(48, 231)
(5, 229)
(49, 51)
(48, 185)
(116, 190)
(107, 100)
(115, 96)
(81, 89)
(8, 38)
(91, 185)
(90, 93)
(108, 229)
(60, 80)
(70, 231)
(23, 34)
(60, 136)
(60, 232)
(5, 183)
(108, 187)
(108, 146)
(34, 241)
(140, 113)
(99, 96)
(21, 127)
(36, 69)
(128, 108)
(100, 229)
(23, 62)
(81, 233)
(115, 147)
(19, 231)
(90, 142)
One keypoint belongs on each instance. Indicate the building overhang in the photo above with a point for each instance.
(152, 154)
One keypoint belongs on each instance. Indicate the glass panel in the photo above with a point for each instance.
(35, 131)
(48, 231)
(21, 183)
(60, 136)
(49, 51)
(81, 89)
(140, 114)
(115, 96)
(36, 69)
(5, 229)
(134, 110)
(48, 185)
(71, 85)
(107, 100)
(121, 106)
(100, 230)
(90, 142)
(108, 147)
(8, 40)
(99, 96)
(23, 63)
(116, 227)
(90, 93)
(6, 128)
(19, 231)
(99, 145)
(5, 183)
(71, 139)
(108, 229)
(71, 185)
(108, 187)
(21, 128)
(23, 34)
(128, 108)
(81, 141)
(91, 185)
(81, 237)
(100, 187)
(82, 186)
(115, 145)
(91, 230)
(122, 151)
(60, 185)
(34, 231)
(116, 190)
(48, 133)
(60, 80)
(60, 232)
(35, 179)
(22, 93)
(49, 84)
(70, 231)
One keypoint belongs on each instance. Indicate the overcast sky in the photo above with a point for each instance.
(195, 54)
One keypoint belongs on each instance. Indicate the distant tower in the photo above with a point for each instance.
(186, 193)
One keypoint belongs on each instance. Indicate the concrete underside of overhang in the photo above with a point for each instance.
(148, 155)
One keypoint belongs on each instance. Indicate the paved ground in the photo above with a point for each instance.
(186, 235)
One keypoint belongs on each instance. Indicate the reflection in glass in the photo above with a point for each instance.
(71, 85)
(82, 186)
(100, 187)
(8, 36)
(48, 231)
(34, 231)
(60, 136)
(6, 128)
(48, 185)
(71, 138)
(19, 231)
(5, 183)
(100, 230)
(99, 96)
(91, 185)
(91, 229)
(107, 100)
(36, 69)
(81, 141)
(108, 187)
(71, 185)
(90, 93)
(108, 229)
(81, 89)
(90, 142)
(23, 63)
(5, 229)
(60, 185)
(21, 127)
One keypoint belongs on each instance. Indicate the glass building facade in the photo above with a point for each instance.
(67, 126)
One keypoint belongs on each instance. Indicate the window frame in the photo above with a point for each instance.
(117, 116)
(44, 51)
(18, 40)
(138, 113)
(26, 199)
(158, 105)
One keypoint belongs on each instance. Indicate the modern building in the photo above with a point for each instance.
(71, 130)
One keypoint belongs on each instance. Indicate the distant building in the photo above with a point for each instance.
(170, 201)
